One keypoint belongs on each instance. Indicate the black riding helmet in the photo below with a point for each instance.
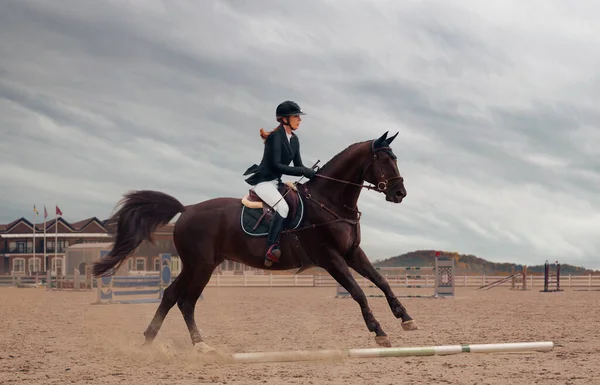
(288, 108)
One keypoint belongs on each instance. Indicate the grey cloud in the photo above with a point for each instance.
(537, 129)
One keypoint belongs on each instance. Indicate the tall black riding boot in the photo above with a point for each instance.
(273, 252)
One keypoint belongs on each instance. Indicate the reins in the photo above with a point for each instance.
(381, 185)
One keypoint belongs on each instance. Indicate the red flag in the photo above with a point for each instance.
(58, 212)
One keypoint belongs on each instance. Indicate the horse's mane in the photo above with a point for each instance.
(345, 151)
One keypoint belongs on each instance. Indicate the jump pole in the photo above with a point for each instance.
(442, 350)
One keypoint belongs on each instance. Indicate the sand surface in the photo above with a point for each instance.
(57, 337)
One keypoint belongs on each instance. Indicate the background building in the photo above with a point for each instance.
(59, 239)
(25, 250)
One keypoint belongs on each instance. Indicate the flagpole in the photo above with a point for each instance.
(44, 256)
(34, 219)
(55, 235)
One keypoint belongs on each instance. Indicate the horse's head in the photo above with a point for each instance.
(382, 170)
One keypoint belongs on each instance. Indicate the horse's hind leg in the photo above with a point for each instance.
(187, 303)
(169, 299)
(359, 262)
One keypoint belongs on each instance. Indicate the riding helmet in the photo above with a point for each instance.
(288, 108)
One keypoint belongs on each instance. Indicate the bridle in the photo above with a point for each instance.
(382, 185)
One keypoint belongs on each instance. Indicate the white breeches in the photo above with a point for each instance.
(267, 191)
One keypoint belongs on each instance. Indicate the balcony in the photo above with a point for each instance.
(29, 250)
(50, 250)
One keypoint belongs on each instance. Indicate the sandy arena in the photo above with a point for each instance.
(51, 337)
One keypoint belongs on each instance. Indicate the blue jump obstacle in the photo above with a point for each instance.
(146, 285)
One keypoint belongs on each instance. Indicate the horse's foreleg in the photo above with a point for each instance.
(337, 267)
(358, 260)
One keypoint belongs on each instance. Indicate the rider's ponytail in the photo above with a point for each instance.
(265, 134)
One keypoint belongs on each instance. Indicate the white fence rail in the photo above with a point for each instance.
(288, 280)
(270, 280)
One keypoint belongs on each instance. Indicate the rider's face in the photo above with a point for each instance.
(295, 121)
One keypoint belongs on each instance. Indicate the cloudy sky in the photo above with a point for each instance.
(496, 105)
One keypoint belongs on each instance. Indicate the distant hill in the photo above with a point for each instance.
(470, 264)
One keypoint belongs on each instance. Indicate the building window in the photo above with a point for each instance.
(57, 263)
(20, 247)
(18, 266)
(175, 269)
(62, 245)
(35, 265)
(157, 264)
(164, 244)
(140, 264)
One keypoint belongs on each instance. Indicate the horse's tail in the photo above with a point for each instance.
(140, 214)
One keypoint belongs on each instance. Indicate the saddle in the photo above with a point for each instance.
(253, 201)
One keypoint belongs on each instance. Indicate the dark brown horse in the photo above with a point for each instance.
(210, 232)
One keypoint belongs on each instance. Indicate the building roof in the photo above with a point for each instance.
(89, 227)
(23, 225)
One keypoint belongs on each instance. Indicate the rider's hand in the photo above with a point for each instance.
(309, 172)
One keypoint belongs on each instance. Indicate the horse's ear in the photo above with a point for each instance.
(390, 140)
(377, 143)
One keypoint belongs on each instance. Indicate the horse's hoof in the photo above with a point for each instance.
(268, 262)
(383, 341)
(204, 348)
(410, 325)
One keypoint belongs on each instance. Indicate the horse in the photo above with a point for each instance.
(212, 231)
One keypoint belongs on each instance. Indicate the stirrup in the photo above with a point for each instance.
(272, 255)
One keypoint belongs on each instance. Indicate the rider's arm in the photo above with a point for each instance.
(298, 158)
(308, 172)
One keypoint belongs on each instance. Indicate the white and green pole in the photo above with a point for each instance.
(314, 355)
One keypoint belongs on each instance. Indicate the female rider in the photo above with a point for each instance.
(281, 148)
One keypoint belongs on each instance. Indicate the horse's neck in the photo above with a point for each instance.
(344, 168)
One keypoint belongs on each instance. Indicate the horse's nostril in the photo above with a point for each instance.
(399, 193)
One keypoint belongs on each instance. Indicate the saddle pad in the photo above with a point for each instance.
(249, 217)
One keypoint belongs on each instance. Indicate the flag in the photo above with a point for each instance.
(58, 212)
(35, 211)
(45, 212)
